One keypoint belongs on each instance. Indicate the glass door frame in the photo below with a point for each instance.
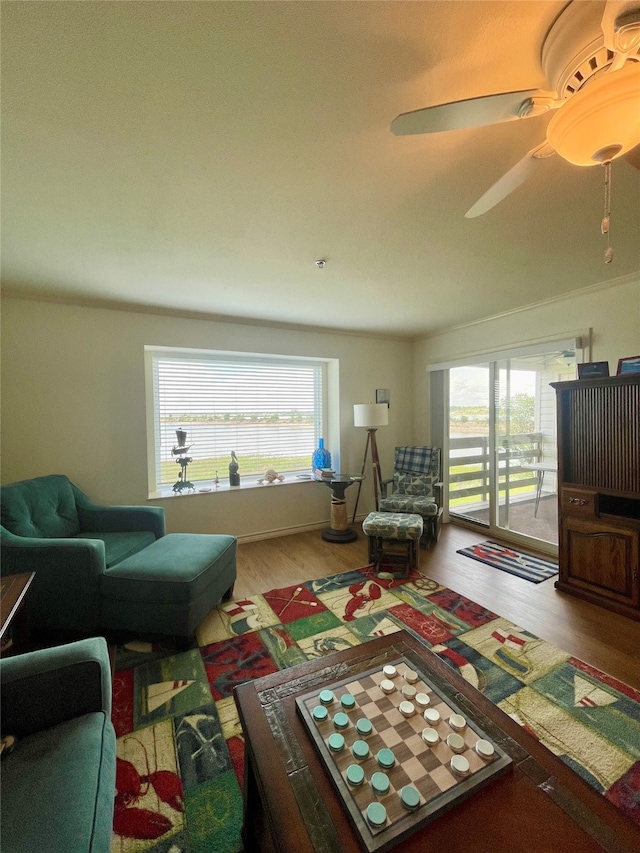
(442, 432)
(496, 507)
(493, 528)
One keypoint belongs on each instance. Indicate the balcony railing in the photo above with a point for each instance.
(469, 466)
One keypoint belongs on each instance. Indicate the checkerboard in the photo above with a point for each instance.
(423, 766)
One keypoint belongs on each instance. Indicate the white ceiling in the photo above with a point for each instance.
(200, 156)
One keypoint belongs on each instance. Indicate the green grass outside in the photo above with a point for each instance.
(470, 484)
(253, 466)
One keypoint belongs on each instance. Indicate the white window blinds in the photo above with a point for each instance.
(269, 410)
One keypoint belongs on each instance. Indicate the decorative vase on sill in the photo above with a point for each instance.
(321, 457)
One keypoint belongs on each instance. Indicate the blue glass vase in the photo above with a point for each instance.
(321, 457)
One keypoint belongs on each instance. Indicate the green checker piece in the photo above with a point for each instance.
(364, 727)
(376, 814)
(348, 701)
(355, 775)
(360, 749)
(341, 721)
(336, 743)
(326, 697)
(380, 783)
(386, 759)
(410, 797)
(320, 713)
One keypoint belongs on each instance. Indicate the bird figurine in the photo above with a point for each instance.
(234, 476)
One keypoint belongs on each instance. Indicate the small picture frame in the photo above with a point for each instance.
(383, 395)
(591, 369)
(628, 365)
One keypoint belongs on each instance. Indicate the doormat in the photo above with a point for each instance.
(511, 560)
(181, 745)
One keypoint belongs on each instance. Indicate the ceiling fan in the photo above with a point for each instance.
(591, 60)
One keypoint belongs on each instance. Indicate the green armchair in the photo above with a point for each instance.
(57, 784)
(48, 526)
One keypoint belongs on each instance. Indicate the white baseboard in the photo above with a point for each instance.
(283, 531)
(290, 531)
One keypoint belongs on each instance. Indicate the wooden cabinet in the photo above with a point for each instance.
(599, 491)
(601, 559)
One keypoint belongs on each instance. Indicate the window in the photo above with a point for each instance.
(270, 410)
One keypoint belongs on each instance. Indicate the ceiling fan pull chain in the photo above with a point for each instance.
(606, 221)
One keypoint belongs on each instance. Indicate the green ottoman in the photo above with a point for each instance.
(170, 586)
(394, 541)
(426, 508)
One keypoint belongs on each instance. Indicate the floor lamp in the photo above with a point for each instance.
(370, 416)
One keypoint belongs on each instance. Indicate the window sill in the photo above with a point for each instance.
(208, 487)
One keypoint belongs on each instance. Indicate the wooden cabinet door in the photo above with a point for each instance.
(601, 559)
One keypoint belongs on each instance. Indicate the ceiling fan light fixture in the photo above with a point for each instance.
(606, 154)
(601, 121)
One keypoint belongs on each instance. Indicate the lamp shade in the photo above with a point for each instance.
(370, 415)
(601, 121)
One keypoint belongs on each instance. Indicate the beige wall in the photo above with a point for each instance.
(73, 396)
(73, 402)
(611, 312)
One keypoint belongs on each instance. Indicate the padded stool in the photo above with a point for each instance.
(170, 586)
(426, 508)
(394, 538)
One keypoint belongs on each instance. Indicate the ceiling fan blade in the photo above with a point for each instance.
(517, 175)
(474, 112)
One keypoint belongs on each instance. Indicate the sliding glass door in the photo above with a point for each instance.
(526, 453)
(502, 445)
(469, 442)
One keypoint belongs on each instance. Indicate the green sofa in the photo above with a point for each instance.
(58, 783)
(51, 528)
(100, 568)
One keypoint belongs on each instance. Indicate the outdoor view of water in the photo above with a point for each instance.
(208, 440)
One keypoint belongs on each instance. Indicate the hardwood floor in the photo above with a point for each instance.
(596, 636)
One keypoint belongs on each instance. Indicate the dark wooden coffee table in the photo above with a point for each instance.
(13, 624)
(291, 804)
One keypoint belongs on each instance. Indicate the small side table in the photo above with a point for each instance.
(339, 531)
(541, 468)
(12, 594)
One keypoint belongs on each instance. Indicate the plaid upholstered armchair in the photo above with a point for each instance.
(417, 488)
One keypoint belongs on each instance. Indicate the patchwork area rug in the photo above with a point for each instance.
(180, 745)
(511, 560)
